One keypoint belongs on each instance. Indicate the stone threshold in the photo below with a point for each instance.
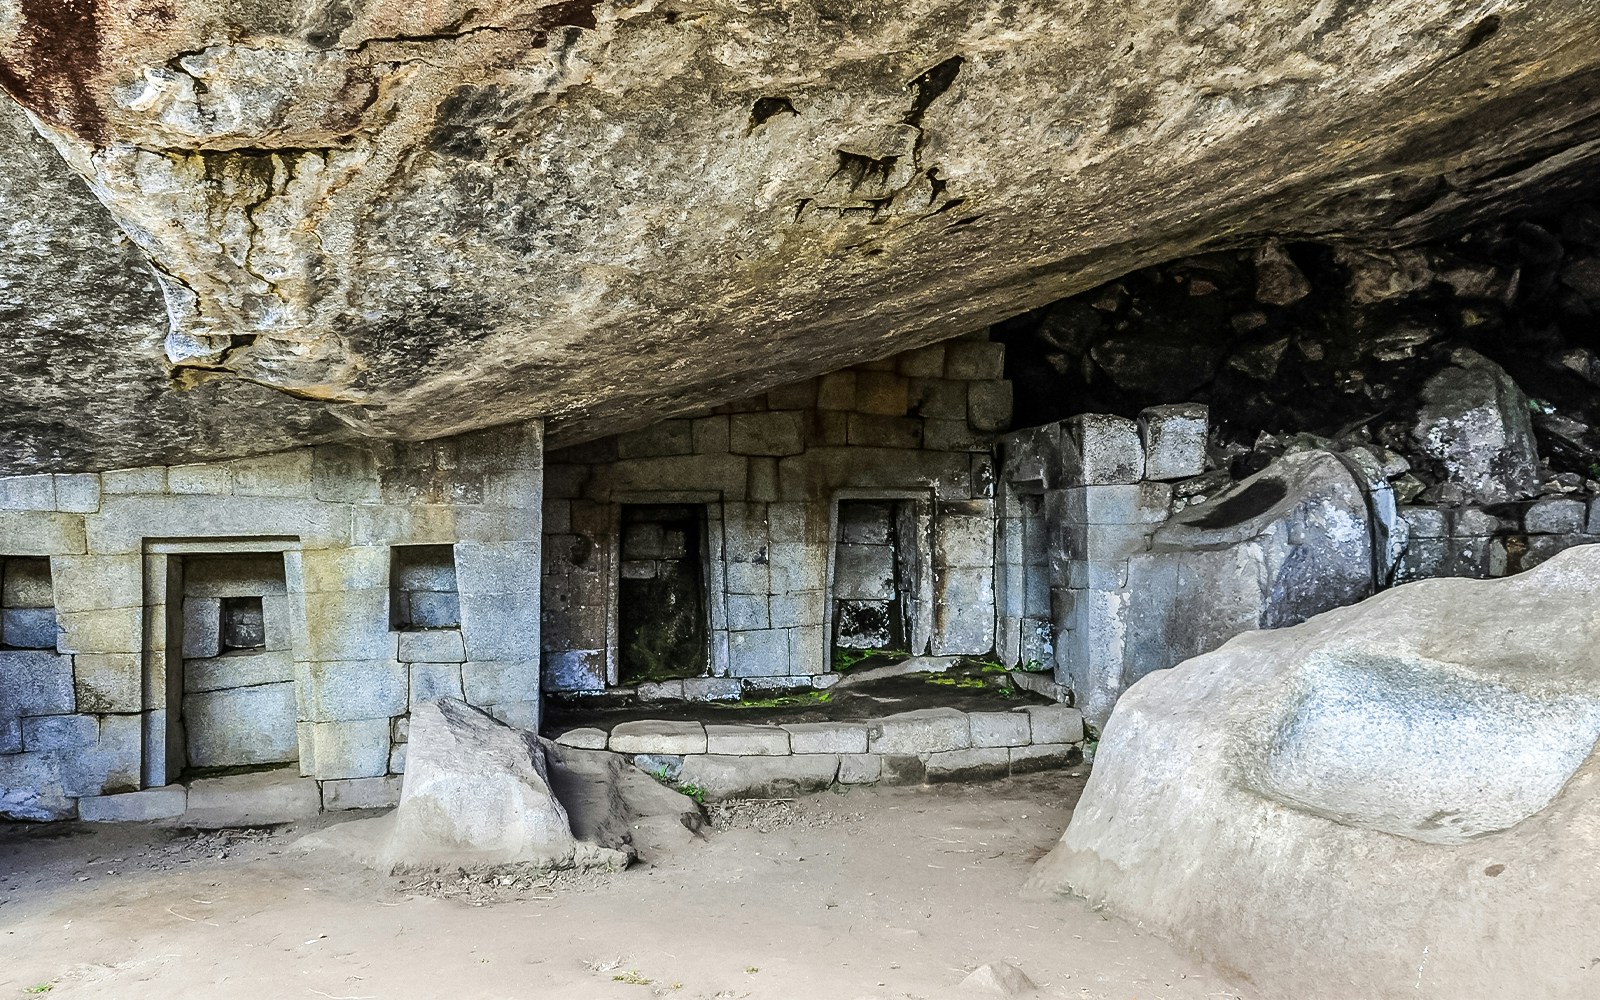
(720, 761)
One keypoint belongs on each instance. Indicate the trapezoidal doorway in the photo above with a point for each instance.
(877, 599)
(662, 630)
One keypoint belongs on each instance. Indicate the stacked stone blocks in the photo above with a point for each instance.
(918, 427)
(99, 713)
(929, 745)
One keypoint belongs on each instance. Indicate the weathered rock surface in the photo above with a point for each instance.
(476, 789)
(1290, 542)
(598, 211)
(479, 792)
(1399, 798)
(1475, 424)
(998, 979)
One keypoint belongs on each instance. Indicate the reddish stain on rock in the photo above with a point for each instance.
(48, 67)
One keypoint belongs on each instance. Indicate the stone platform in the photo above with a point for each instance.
(737, 760)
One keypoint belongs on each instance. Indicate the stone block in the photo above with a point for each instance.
(150, 480)
(989, 406)
(432, 646)
(24, 533)
(28, 493)
(348, 690)
(703, 689)
(585, 738)
(77, 493)
(108, 682)
(353, 748)
(925, 362)
(35, 682)
(88, 583)
(928, 730)
(747, 612)
(797, 566)
(1556, 517)
(965, 541)
(256, 799)
(658, 737)
(1174, 439)
(29, 628)
(860, 769)
(286, 474)
(1055, 724)
(237, 670)
(500, 626)
(866, 430)
(939, 399)
(828, 737)
(144, 805)
(202, 627)
(837, 391)
(761, 484)
(746, 741)
(808, 651)
(763, 653)
(241, 726)
(1426, 522)
(125, 522)
(799, 396)
(667, 437)
(575, 670)
(660, 691)
(200, 479)
(725, 777)
(500, 682)
(786, 522)
(361, 793)
(999, 729)
(952, 435)
(432, 681)
(522, 715)
(977, 764)
(397, 759)
(1044, 757)
(901, 769)
(113, 630)
(1471, 522)
(352, 625)
(881, 393)
(48, 733)
(1109, 451)
(711, 435)
(797, 609)
(974, 360)
(776, 434)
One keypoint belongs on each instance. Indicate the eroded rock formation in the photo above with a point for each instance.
(408, 220)
(1394, 799)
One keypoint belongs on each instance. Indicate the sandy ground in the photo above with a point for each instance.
(880, 893)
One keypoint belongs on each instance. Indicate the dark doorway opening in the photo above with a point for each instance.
(873, 576)
(661, 593)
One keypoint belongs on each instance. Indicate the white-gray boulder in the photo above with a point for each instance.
(1474, 423)
(1290, 542)
(476, 789)
(1399, 798)
(479, 792)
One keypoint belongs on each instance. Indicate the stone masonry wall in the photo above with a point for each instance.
(917, 428)
(101, 710)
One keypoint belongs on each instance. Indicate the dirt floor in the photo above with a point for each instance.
(870, 893)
